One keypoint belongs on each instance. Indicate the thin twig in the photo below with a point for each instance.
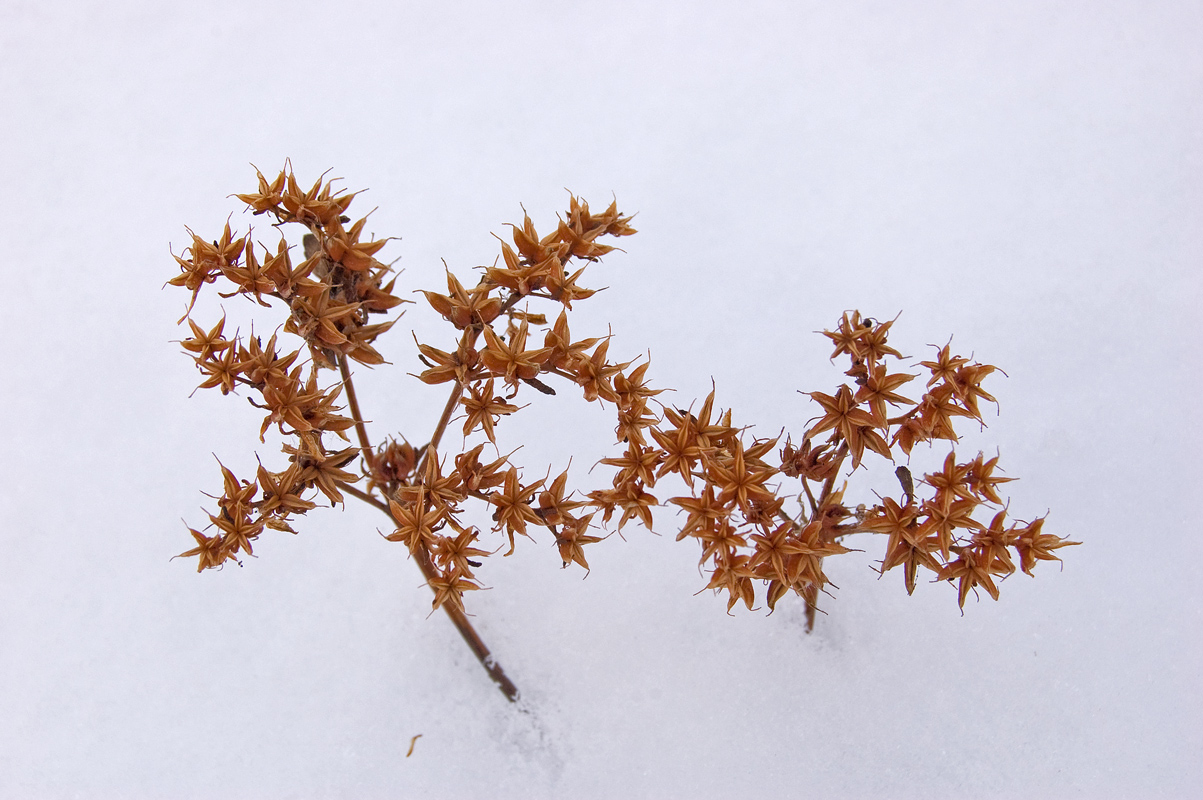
(360, 429)
(830, 483)
(452, 403)
(814, 507)
(811, 594)
(458, 618)
(467, 340)
(364, 496)
(471, 637)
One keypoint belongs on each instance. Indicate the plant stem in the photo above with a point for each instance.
(811, 595)
(840, 455)
(458, 618)
(457, 390)
(814, 507)
(467, 340)
(362, 431)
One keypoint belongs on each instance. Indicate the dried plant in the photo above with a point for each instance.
(765, 514)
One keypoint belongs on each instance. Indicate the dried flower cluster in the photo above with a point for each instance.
(739, 501)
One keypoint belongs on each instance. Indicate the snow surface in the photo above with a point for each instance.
(1024, 175)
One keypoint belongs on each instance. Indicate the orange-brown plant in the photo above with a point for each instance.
(739, 491)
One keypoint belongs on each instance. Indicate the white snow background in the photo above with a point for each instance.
(1025, 176)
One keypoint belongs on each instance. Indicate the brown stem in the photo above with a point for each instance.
(364, 496)
(811, 595)
(830, 483)
(457, 390)
(354, 404)
(471, 637)
(784, 516)
(814, 507)
(458, 618)
(469, 340)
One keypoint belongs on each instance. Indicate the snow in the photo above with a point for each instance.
(1025, 177)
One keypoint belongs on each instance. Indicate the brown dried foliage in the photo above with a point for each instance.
(762, 515)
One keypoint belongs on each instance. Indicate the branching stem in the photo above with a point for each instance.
(468, 340)
(353, 402)
(457, 390)
(811, 596)
(458, 618)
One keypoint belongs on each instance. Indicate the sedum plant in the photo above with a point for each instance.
(765, 513)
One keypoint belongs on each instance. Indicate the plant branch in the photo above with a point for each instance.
(458, 618)
(364, 496)
(840, 454)
(457, 390)
(814, 507)
(360, 429)
(811, 596)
